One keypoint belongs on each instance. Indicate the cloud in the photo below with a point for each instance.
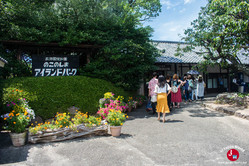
(168, 4)
(188, 1)
(182, 10)
(169, 31)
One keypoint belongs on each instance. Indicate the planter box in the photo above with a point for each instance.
(66, 133)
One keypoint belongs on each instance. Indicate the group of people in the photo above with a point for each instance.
(167, 93)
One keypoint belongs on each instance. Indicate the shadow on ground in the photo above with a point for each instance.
(194, 108)
(142, 114)
(10, 154)
(198, 111)
(205, 113)
(173, 121)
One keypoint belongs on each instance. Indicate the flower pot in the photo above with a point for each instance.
(115, 130)
(129, 109)
(18, 139)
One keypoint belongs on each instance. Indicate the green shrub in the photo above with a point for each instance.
(56, 94)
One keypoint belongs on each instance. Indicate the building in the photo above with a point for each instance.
(170, 64)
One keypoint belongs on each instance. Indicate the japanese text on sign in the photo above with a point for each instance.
(55, 66)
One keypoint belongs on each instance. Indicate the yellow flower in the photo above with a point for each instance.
(4, 118)
(60, 126)
(27, 117)
(14, 122)
(127, 116)
(121, 124)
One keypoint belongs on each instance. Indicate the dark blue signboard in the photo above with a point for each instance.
(57, 65)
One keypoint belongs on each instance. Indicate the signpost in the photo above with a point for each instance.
(57, 65)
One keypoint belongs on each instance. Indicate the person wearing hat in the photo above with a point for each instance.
(200, 87)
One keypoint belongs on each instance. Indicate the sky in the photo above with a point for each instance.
(176, 15)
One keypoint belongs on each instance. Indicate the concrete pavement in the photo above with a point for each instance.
(192, 135)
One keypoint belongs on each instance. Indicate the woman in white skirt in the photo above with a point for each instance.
(200, 87)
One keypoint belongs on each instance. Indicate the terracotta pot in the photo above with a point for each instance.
(18, 139)
(115, 130)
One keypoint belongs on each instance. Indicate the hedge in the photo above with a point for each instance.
(56, 94)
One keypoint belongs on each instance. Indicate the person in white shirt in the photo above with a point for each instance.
(162, 90)
(152, 94)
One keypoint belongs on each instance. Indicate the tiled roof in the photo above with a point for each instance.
(243, 58)
(3, 60)
(168, 50)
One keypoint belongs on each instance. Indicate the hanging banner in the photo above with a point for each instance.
(57, 65)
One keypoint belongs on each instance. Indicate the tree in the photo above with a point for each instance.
(222, 29)
(113, 24)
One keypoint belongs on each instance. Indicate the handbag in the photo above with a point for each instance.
(189, 89)
(174, 89)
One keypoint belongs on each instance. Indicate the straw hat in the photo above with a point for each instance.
(200, 76)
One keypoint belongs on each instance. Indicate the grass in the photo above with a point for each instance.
(56, 94)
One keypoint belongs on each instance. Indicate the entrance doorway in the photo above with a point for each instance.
(217, 83)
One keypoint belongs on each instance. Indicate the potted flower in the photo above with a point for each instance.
(130, 105)
(116, 120)
(17, 123)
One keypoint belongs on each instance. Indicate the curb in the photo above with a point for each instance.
(229, 111)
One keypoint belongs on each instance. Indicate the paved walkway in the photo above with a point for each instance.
(192, 135)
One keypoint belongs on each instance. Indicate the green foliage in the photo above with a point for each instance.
(12, 94)
(57, 94)
(14, 67)
(222, 29)
(17, 122)
(124, 63)
(116, 118)
(62, 120)
(126, 55)
(79, 118)
(93, 121)
(242, 95)
(72, 21)
(14, 98)
(42, 127)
